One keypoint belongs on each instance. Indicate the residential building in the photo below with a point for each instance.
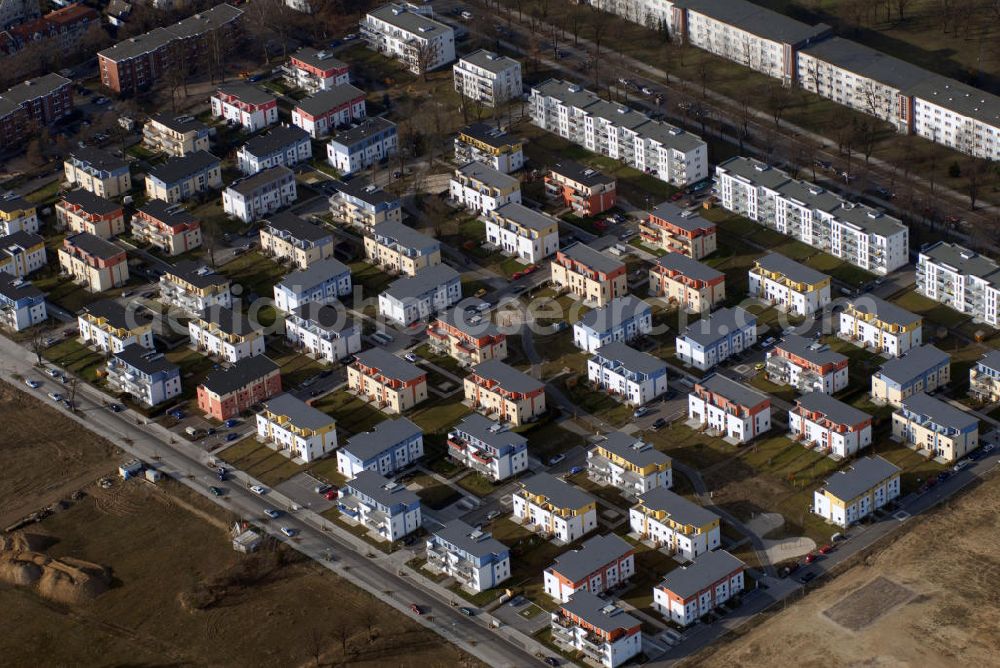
(372, 140)
(254, 197)
(622, 320)
(387, 509)
(471, 556)
(194, 288)
(145, 375)
(806, 365)
(168, 227)
(960, 279)
(488, 447)
(245, 106)
(390, 447)
(503, 393)
(629, 464)
(922, 369)
(226, 333)
(586, 191)
(690, 592)
(716, 337)
(83, 211)
(176, 136)
(22, 253)
(627, 374)
(468, 338)
(668, 520)
(957, 115)
(482, 189)
(829, 425)
(599, 564)
(364, 205)
(59, 31)
(96, 264)
(589, 275)
(228, 392)
(679, 231)
(426, 293)
(17, 215)
(391, 383)
(788, 285)
(286, 237)
(324, 281)
(35, 102)
(488, 78)
(551, 506)
(329, 109)
(22, 305)
(296, 429)
(408, 34)
(850, 495)
(871, 322)
(97, 171)
(180, 179)
(733, 410)
(524, 233)
(601, 631)
(398, 248)
(13, 12)
(935, 426)
(283, 145)
(108, 326)
(691, 285)
(481, 142)
(984, 378)
(313, 70)
(323, 331)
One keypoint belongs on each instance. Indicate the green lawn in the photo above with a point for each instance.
(786, 392)
(353, 415)
(295, 367)
(76, 358)
(372, 279)
(446, 362)
(256, 274)
(260, 461)
(547, 439)
(930, 309)
(434, 494)
(439, 415)
(595, 402)
(530, 555)
(476, 483)
(691, 447)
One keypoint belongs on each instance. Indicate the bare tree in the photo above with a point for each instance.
(425, 53)
(316, 645)
(368, 617)
(777, 101)
(901, 6)
(344, 631)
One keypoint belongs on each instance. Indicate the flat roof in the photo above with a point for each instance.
(88, 243)
(594, 553)
(525, 217)
(91, 203)
(323, 60)
(389, 365)
(760, 173)
(300, 413)
(14, 287)
(574, 171)
(489, 135)
(962, 260)
(715, 325)
(757, 20)
(810, 195)
(559, 493)
(408, 21)
(490, 61)
(179, 168)
(382, 490)
(475, 542)
(865, 61)
(325, 316)
(229, 320)
(368, 193)
(247, 370)
(689, 267)
(868, 219)
(834, 409)
(250, 184)
(296, 227)
(598, 612)
(362, 130)
(809, 350)
(485, 174)
(145, 360)
(316, 273)
(171, 214)
(331, 98)
(630, 358)
(706, 570)
(425, 280)
(403, 235)
(939, 412)
(182, 123)
(615, 312)
(678, 508)
(633, 449)
(246, 92)
(991, 360)
(16, 203)
(888, 312)
(913, 363)
(462, 320)
(726, 387)
(494, 434)
(790, 269)
(686, 220)
(275, 140)
(507, 376)
(98, 158)
(959, 97)
(386, 434)
(861, 476)
(197, 274)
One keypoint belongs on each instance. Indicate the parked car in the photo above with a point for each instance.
(216, 491)
(231, 437)
(289, 531)
(411, 357)
(640, 411)
(551, 661)
(116, 408)
(230, 423)
(416, 609)
(826, 549)
(492, 515)
(646, 90)
(555, 460)
(575, 470)
(331, 494)
(257, 489)
(468, 612)
(659, 423)
(805, 578)
(33, 384)
(53, 373)
(322, 488)
(55, 396)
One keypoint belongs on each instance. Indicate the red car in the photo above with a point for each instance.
(332, 494)
(530, 269)
(826, 549)
(810, 558)
(416, 609)
(516, 275)
(676, 196)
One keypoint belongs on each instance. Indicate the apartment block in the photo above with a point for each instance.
(524, 233)
(390, 447)
(288, 238)
(871, 322)
(364, 205)
(17, 215)
(468, 338)
(586, 191)
(679, 231)
(850, 495)
(409, 34)
(729, 409)
(829, 425)
(691, 285)
(254, 197)
(482, 142)
(487, 447)
(194, 288)
(370, 141)
(960, 279)
(935, 426)
(97, 171)
(245, 106)
(398, 248)
(922, 369)
(168, 227)
(716, 337)
(488, 78)
(471, 556)
(984, 378)
(228, 392)
(22, 253)
(96, 264)
(690, 592)
(629, 464)
(668, 520)
(22, 305)
(323, 331)
(387, 509)
(788, 285)
(603, 632)
(392, 384)
(180, 179)
(313, 70)
(627, 374)
(143, 374)
(323, 282)
(423, 295)
(35, 102)
(175, 136)
(599, 564)
(622, 320)
(83, 211)
(551, 506)
(226, 333)
(296, 429)
(589, 275)
(109, 327)
(284, 145)
(324, 111)
(503, 393)
(806, 365)
(482, 189)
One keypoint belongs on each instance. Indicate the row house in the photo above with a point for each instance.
(984, 378)
(733, 410)
(97, 171)
(168, 227)
(589, 275)
(871, 322)
(320, 114)
(22, 305)
(629, 464)
(598, 565)
(194, 288)
(487, 78)
(373, 140)
(690, 592)
(313, 70)
(665, 519)
(503, 393)
(180, 179)
(398, 248)
(390, 447)
(468, 338)
(391, 383)
(691, 285)
(226, 393)
(928, 424)
(17, 215)
(850, 495)
(482, 189)
(788, 285)
(387, 509)
(96, 264)
(364, 205)
(679, 231)
(517, 231)
(323, 282)
(83, 211)
(806, 365)
(145, 375)
(622, 320)
(409, 34)
(284, 145)
(633, 377)
(31, 104)
(430, 291)
(287, 237)
(60, 31)
(487, 447)
(245, 106)
(960, 279)
(923, 369)
(603, 632)
(716, 337)
(226, 333)
(829, 425)
(296, 429)
(175, 136)
(481, 142)
(109, 327)
(324, 331)
(553, 507)
(471, 556)
(586, 191)
(254, 197)
(22, 253)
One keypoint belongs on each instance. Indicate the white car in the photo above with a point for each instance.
(33, 384)
(288, 531)
(410, 357)
(646, 90)
(257, 489)
(492, 515)
(55, 396)
(53, 373)
(272, 513)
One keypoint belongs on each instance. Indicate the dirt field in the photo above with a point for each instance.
(930, 598)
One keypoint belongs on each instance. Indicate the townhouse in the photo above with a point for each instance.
(629, 464)
(168, 227)
(716, 337)
(603, 632)
(482, 189)
(390, 447)
(428, 292)
(789, 285)
(481, 142)
(313, 70)
(193, 288)
(96, 264)
(659, 149)
(323, 331)
(180, 179)
(690, 592)
(925, 423)
(398, 248)
(871, 322)
(364, 205)
(284, 145)
(34, 102)
(387, 509)
(622, 320)
(324, 281)
(22, 253)
(734, 411)
(960, 279)
(471, 556)
(665, 519)
(806, 365)
(22, 305)
(97, 171)
(82, 211)
(627, 374)
(524, 233)
(922, 369)
(408, 34)
(850, 495)
(553, 507)
(599, 564)
(372, 140)
(321, 113)
(392, 384)
(228, 392)
(245, 106)
(254, 197)
(503, 393)
(589, 275)
(487, 447)
(679, 231)
(226, 333)
(468, 338)
(984, 378)
(175, 136)
(296, 429)
(586, 191)
(17, 215)
(691, 285)
(108, 326)
(286, 237)
(487, 78)
(819, 421)
(143, 374)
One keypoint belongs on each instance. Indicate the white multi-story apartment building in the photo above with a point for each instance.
(819, 421)
(850, 495)
(599, 564)
(690, 592)
(287, 237)
(692, 285)
(387, 449)
(469, 555)
(489, 447)
(175, 135)
(930, 425)
(323, 112)
(145, 375)
(788, 285)
(922, 369)
(524, 233)
(482, 189)
(502, 392)
(254, 197)
(226, 333)
(623, 320)
(734, 411)
(363, 205)
(22, 305)
(110, 327)
(551, 506)
(430, 291)
(97, 171)
(322, 282)
(372, 140)
(323, 330)
(486, 77)
(284, 145)
(984, 378)
(245, 106)
(482, 142)
(386, 508)
(601, 631)
(313, 70)
(806, 365)
(399, 248)
(390, 383)
(625, 373)
(407, 33)
(716, 337)
(296, 429)
(957, 115)
(180, 179)
(662, 518)
(628, 463)
(193, 288)
(17, 215)
(871, 322)
(960, 279)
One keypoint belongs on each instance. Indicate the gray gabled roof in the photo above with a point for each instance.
(138, 45)
(939, 412)
(709, 568)
(383, 436)
(382, 490)
(865, 473)
(145, 360)
(169, 214)
(248, 369)
(493, 178)
(180, 168)
(714, 326)
(959, 97)
(389, 365)
(507, 377)
(490, 61)
(325, 316)
(790, 269)
(867, 62)
(31, 89)
(738, 393)
(689, 267)
(599, 613)
(529, 218)
(316, 273)
(248, 185)
(229, 321)
(991, 360)
(688, 221)
(614, 313)
(804, 348)
(913, 363)
(592, 258)
(88, 243)
(425, 280)
(676, 507)
(632, 449)
(630, 358)
(833, 409)
(558, 492)
(757, 20)
(331, 98)
(592, 555)
(299, 413)
(494, 434)
(276, 140)
(91, 203)
(475, 542)
(296, 227)
(883, 310)
(98, 159)
(110, 310)
(404, 236)
(202, 22)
